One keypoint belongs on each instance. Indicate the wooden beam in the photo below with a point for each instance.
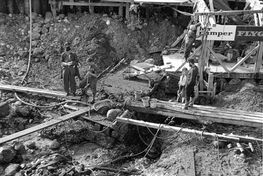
(244, 59)
(121, 1)
(121, 10)
(258, 60)
(221, 63)
(186, 130)
(43, 125)
(105, 4)
(179, 39)
(230, 12)
(44, 92)
(127, 11)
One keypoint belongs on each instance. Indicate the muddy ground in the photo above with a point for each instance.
(77, 147)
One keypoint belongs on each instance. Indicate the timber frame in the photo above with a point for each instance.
(207, 17)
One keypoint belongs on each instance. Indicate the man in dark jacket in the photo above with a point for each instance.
(190, 84)
(69, 62)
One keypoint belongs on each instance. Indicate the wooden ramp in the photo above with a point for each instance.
(200, 113)
(29, 90)
(43, 125)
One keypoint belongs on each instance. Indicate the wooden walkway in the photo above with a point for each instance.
(29, 90)
(201, 113)
(43, 125)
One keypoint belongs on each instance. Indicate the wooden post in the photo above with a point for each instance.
(127, 15)
(91, 8)
(258, 62)
(121, 10)
(210, 81)
(53, 6)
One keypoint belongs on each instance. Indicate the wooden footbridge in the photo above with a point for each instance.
(202, 114)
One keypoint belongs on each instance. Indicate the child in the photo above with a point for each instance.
(89, 81)
(182, 83)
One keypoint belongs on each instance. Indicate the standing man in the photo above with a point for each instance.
(69, 62)
(190, 39)
(190, 84)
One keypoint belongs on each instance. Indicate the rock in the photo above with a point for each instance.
(234, 81)
(4, 109)
(61, 16)
(149, 61)
(7, 154)
(219, 144)
(34, 15)
(48, 17)
(22, 111)
(35, 36)
(20, 148)
(34, 43)
(31, 145)
(76, 41)
(19, 174)
(38, 52)
(54, 145)
(37, 60)
(2, 170)
(22, 53)
(12, 169)
(113, 113)
(17, 103)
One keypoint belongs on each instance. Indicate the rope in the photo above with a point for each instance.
(49, 106)
(30, 41)
(153, 140)
(184, 13)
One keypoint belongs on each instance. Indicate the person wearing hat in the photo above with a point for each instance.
(190, 84)
(69, 62)
(190, 39)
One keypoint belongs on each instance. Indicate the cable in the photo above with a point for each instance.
(30, 41)
(152, 142)
(50, 106)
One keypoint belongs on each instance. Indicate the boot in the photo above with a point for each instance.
(186, 105)
(191, 104)
(183, 100)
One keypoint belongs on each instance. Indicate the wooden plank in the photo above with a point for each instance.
(186, 130)
(230, 12)
(198, 114)
(194, 116)
(105, 4)
(258, 63)
(96, 118)
(221, 63)
(238, 113)
(121, 1)
(93, 117)
(244, 59)
(43, 125)
(179, 39)
(30, 90)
